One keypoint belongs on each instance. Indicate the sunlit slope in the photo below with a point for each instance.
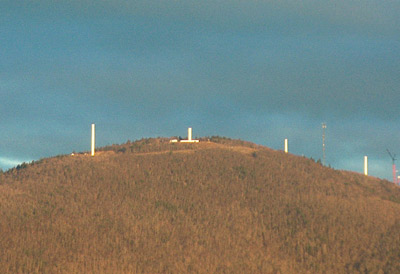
(221, 206)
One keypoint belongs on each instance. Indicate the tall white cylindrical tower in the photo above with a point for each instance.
(93, 139)
(286, 146)
(365, 165)
(190, 134)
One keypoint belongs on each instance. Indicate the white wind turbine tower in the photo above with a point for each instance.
(93, 143)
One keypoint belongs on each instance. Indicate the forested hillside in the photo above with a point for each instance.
(219, 206)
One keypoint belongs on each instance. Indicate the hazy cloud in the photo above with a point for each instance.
(9, 163)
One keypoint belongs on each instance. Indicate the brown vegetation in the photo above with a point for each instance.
(223, 206)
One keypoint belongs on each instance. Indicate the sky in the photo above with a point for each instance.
(255, 70)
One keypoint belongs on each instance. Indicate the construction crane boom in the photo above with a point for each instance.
(391, 156)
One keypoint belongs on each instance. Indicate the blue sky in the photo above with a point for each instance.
(260, 71)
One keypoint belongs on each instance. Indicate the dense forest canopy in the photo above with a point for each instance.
(219, 206)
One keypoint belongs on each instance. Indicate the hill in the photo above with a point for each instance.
(220, 206)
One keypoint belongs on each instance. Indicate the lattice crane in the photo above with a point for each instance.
(395, 181)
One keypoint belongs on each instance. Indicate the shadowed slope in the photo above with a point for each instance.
(220, 206)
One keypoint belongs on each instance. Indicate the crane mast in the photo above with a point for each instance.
(393, 157)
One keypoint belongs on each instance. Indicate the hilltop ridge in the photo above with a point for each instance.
(220, 205)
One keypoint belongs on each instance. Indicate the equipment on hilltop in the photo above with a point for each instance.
(395, 181)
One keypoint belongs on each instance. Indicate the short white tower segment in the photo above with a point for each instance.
(365, 165)
(286, 146)
(189, 140)
(93, 139)
(189, 134)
